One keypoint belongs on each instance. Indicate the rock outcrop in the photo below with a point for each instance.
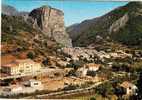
(51, 22)
(119, 24)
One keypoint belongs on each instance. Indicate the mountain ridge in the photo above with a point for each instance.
(12, 11)
(85, 33)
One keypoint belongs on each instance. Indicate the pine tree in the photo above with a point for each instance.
(139, 85)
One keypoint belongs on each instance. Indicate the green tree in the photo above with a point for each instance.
(75, 64)
(45, 62)
(31, 55)
(105, 89)
(71, 73)
(139, 85)
(119, 91)
(91, 73)
(92, 98)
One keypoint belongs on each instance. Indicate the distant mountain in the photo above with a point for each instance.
(9, 10)
(12, 11)
(123, 24)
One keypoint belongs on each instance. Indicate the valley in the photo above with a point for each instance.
(98, 59)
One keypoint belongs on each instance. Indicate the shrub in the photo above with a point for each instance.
(71, 73)
(92, 98)
(45, 62)
(31, 55)
(91, 73)
(139, 85)
(119, 91)
(137, 66)
(75, 64)
(105, 89)
(71, 87)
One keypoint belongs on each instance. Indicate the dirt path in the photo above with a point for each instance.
(71, 93)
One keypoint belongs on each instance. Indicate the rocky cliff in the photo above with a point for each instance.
(38, 34)
(51, 22)
(120, 23)
(48, 20)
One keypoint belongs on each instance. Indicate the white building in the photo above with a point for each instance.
(36, 84)
(88, 67)
(92, 66)
(21, 67)
(82, 72)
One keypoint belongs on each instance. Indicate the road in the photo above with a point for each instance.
(71, 92)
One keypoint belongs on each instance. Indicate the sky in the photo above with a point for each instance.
(75, 11)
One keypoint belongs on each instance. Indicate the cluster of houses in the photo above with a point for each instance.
(78, 53)
(25, 67)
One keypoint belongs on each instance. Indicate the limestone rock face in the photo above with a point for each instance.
(51, 22)
(119, 23)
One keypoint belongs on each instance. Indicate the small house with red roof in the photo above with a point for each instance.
(130, 88)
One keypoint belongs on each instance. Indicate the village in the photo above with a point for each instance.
(79, 69)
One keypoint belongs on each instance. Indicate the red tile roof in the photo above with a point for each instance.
(16, 62)
(126, 84)
(12, 64)
(5, 59)
(92, 65)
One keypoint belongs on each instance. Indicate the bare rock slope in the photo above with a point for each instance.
(51, 22)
